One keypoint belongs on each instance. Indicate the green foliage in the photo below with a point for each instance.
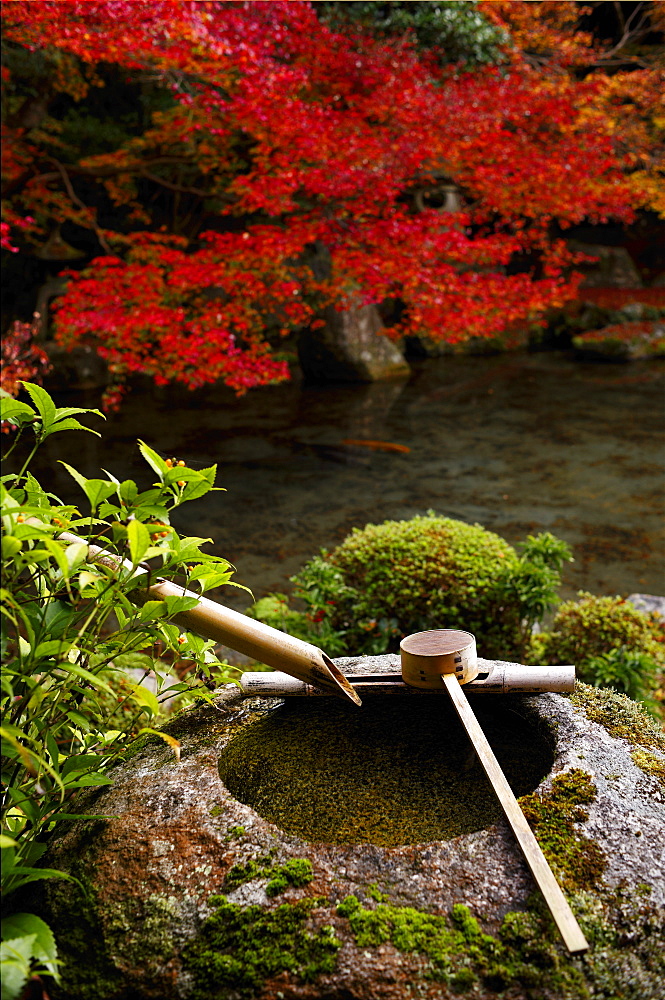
(611, 643)
(28, 948)
(239, 947)
(385, 581)
(625, 670)
(74, 618)
(457, 31)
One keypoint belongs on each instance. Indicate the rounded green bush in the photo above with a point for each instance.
(592, 626)
(389, 580)
(430, 572)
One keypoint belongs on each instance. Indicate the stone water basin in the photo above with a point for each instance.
(310, 850)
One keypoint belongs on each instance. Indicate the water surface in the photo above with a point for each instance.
(519, 443)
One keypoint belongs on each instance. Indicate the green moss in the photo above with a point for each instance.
(458, 951)
(399, 772)
(621, 717)
(235, 833)
(140, 931)
(296, 872)
(650, 763)
(76, 922)
(238, 948)
(576, 860)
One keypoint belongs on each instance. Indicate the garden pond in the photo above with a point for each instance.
(519, 443)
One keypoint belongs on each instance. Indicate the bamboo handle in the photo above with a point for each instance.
(563, 916)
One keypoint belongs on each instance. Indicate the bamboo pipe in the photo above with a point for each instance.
(425, 653)
(497, 678)
(262, 642)
(299, 659)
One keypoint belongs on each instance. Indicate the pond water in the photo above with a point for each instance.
(520, 443)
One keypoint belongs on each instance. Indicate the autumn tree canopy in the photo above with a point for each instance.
(210, 155)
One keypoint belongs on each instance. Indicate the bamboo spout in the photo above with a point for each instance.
(214, 621)
(269, 645)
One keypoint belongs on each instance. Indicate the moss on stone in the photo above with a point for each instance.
(458, 951)
(74, 916)
(297, 872)
(527, 957)
(577, 861)
(650, 763)
(399, 772)
(238, 948)
(621, 717)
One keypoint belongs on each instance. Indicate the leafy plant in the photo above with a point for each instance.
(28, 949)
(387, 580)
(626, 670)
(75, 615)
(611, 642)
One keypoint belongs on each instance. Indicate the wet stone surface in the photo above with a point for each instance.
(397, 772)
(190, 893)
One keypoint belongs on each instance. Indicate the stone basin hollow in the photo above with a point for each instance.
(398, 771)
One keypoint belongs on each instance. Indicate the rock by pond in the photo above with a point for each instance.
(310, 850)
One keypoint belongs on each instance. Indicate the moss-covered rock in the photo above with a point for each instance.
(184, 891)
(627, 341)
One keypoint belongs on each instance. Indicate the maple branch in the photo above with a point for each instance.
(180, 188)
(84, 208)
(631, 32)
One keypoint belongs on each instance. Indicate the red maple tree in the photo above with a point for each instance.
(295, 141)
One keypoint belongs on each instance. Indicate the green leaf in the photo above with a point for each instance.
(92, 679)
(23, 874)
(128, 490)
(6, 841)
(143, 696)
(10, 547)
(91, 780)
(139, 540)
(175, 604)
(79, 762)
(43, 402)
(152, 610)
(68, 411)
(44, 948)
(14, 410)
(15, 959)
(153, 459)
(75, 554)
(71, 425)
(58, 554)
(96, 490)
(53, 647)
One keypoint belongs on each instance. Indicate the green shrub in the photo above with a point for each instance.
(388, 580)
(72, 622)
(611, 643)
